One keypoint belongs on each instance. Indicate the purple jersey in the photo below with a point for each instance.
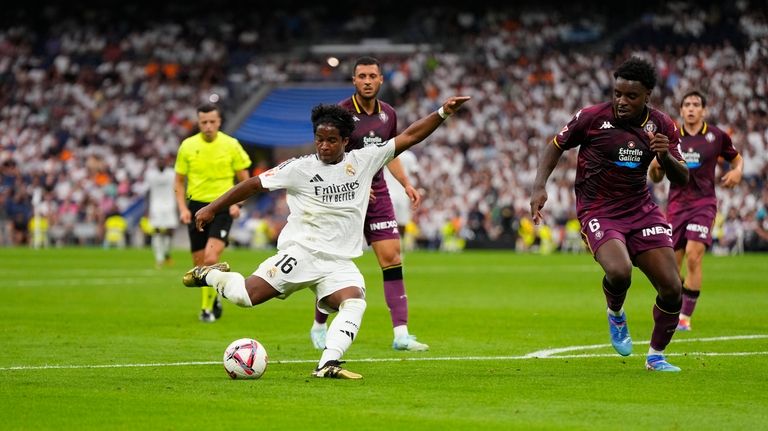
(700, 152)
(373, 129)
(613, 159)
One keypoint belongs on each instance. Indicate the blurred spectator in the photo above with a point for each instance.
(87, 104)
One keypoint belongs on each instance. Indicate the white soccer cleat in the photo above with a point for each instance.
(409, 343)
(317, 335)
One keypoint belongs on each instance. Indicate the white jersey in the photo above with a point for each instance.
(327, 202)
(162, 198)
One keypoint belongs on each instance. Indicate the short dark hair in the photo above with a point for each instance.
(208, 107)
(696, 93)
(366, 61)
(637, 69)
(334, 115)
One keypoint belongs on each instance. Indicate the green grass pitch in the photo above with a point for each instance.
(98, 339)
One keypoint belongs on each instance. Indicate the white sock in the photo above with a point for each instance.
(400, 331)
(343, 330)
(157, 248)
(616, 313)
(230, 285)
(652, 351)
(167, 242)
(318, 325)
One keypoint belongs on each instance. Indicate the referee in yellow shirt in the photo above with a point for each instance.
(206, 166)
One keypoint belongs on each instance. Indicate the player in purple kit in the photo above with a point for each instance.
(691, 208)
(619, 220)
(375, 123)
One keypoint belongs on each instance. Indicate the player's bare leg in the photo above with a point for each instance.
(694, 253)
(614, 259)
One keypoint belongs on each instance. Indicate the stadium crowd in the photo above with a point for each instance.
(88, 106)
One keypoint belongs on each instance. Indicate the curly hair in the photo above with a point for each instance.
(334, 115)
(637, 69)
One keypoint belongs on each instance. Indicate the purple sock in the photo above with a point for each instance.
(665, 322)
(394, 293)
(614, 297)
(689, 301)
(320, 317)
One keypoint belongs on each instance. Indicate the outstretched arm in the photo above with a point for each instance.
(424, 127)
(548, 160)
(239, 192)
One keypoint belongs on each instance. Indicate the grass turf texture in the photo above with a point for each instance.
(132, 354)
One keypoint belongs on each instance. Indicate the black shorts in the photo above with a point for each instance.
(218, 228)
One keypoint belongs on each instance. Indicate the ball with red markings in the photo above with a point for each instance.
(245, 358)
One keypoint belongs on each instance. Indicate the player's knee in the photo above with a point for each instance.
(619, 277)
(670, 291)
(356, 304)
(389, 258)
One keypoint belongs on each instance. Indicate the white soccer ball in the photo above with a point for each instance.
(245, 358)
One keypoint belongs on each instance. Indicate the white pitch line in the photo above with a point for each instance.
(547, 355)
(549, 352)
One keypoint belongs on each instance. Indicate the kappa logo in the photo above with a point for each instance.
(606, 125)
(316, 179)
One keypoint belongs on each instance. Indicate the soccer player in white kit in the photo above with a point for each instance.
(163, 216)
(327, 195)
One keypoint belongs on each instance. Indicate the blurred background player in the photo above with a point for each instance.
(623, 226)
(375, 123)
(163, 216)
(401, 202)
(207, 165)
(322, 236)
(691, 208)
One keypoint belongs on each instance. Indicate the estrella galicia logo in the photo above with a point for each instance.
(629, 156)
(692, 159)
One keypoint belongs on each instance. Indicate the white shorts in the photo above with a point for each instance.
(163, 218)
(295, 268)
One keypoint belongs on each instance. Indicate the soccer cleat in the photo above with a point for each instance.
(619, 332)
(207, 316)
(218, 309)
(658, 363)
(317, 335)
(409, 343)
(333, 370)
(195, 277)
(684, 325)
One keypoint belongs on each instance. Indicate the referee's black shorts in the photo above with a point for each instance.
(218, 228)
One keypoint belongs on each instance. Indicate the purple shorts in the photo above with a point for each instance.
(380, 222)
(645, 230)
(692, 224)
